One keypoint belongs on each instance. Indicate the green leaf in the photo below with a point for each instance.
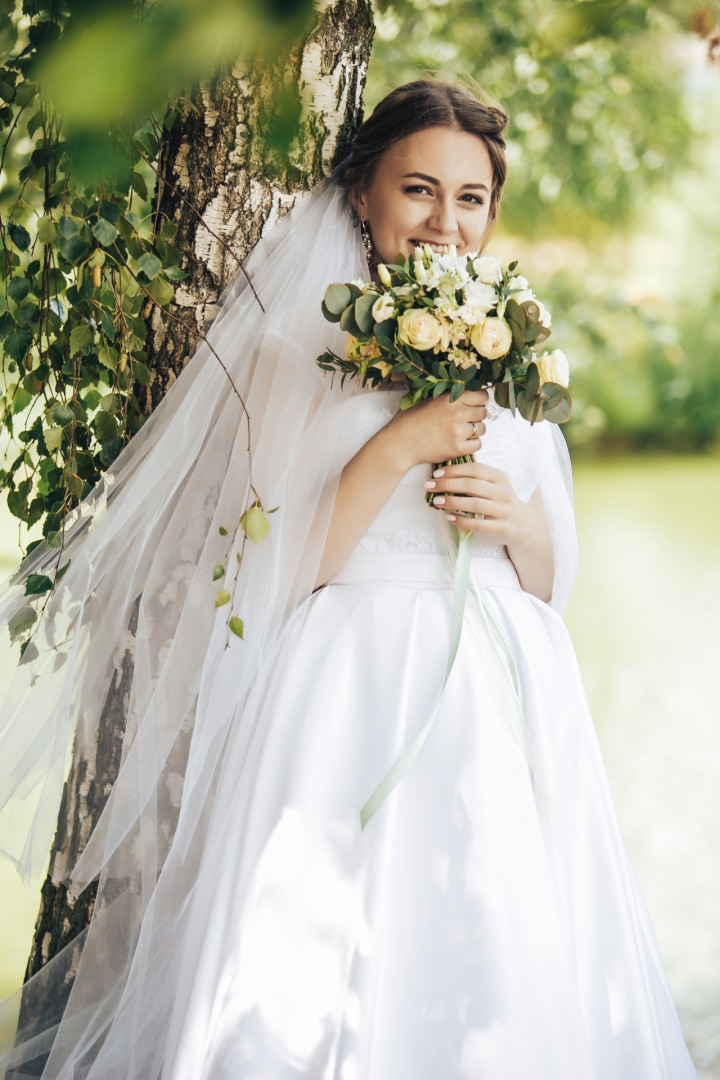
(161, 291)
(75, 249)
(363, 312)
(22, 621)
(46, 231)
(150, 265)
(62, 415)
(337, 298)
(69, 226)
(169, 229)
(105, 426)
(104, 231)
(108, 357)
(236, 626)
(34, 123)
(223, 531)
(36, 584)
(53, 437)
(21, 400)
(532, 386)
(557, 404)
(218, 572)
(74, 485)
(141, 373)
(20, 236)
(222, 597)
(109, 210)
(456, 391)
(80, 336)
(28, 652)
(254, 523)
(18, 288)
(138, 183)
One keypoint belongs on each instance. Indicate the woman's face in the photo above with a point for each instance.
(432, 187)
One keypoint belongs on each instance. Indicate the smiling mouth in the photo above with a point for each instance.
(430, 244)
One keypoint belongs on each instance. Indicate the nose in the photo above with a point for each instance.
(442, 218)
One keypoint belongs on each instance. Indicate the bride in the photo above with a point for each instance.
(486, 924)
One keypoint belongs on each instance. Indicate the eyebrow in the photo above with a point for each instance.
(434, 180)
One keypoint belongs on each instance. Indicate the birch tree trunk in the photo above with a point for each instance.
(222, 188)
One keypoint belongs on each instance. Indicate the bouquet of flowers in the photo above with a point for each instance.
(444, 322)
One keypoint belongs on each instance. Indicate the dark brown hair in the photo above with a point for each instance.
(414, 107)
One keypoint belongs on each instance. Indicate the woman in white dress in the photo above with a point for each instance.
(486, 924)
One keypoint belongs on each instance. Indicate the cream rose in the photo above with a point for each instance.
(383, 308)
(488, 269)
(554, 367)
(419, 329)
(361, 350)
(492, 338)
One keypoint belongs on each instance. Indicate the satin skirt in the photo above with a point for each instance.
(487, 924)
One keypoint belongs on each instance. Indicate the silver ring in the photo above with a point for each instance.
(475, 433)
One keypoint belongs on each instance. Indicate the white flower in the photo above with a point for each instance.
(519, 288)
(492, 338)
(403, 290)
(418, 328)
(462, 358)
(384, 274)
(488, 269)
(554, 367)
(420, 271)
(469, 315)
(479, 295)
(383, 308)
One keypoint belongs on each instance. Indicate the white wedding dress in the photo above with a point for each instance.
(487, 924)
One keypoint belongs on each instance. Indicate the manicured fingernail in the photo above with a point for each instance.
(430, 484)
(439, 500)
(439, 472)
(451, 517)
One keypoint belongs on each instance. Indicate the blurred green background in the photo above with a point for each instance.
(613, 209)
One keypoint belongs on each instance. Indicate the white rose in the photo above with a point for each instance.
(419, 329)
(488, 269)
(519, 288)
(384, 274)
(383, 308)
(479, 295)
(492, 339)
(554, 367)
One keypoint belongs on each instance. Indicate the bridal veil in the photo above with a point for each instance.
(142, 553)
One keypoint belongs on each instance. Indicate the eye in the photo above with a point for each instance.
(417, 189)
(477, 199)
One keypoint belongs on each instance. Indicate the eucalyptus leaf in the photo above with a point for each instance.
(337, 298)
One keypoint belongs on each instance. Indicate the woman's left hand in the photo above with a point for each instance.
(481, 499)
(475, 489)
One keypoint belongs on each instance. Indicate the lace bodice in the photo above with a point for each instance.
(406, 524)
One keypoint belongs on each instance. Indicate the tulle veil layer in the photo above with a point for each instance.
(142, 551)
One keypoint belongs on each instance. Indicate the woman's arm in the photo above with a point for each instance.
(433, 431)
(522, 527)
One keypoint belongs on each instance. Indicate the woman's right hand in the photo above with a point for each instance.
(438, 430)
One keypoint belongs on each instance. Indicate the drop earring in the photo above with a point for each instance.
(367, 241)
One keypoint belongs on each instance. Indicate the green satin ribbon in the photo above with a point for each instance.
(401, 767)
